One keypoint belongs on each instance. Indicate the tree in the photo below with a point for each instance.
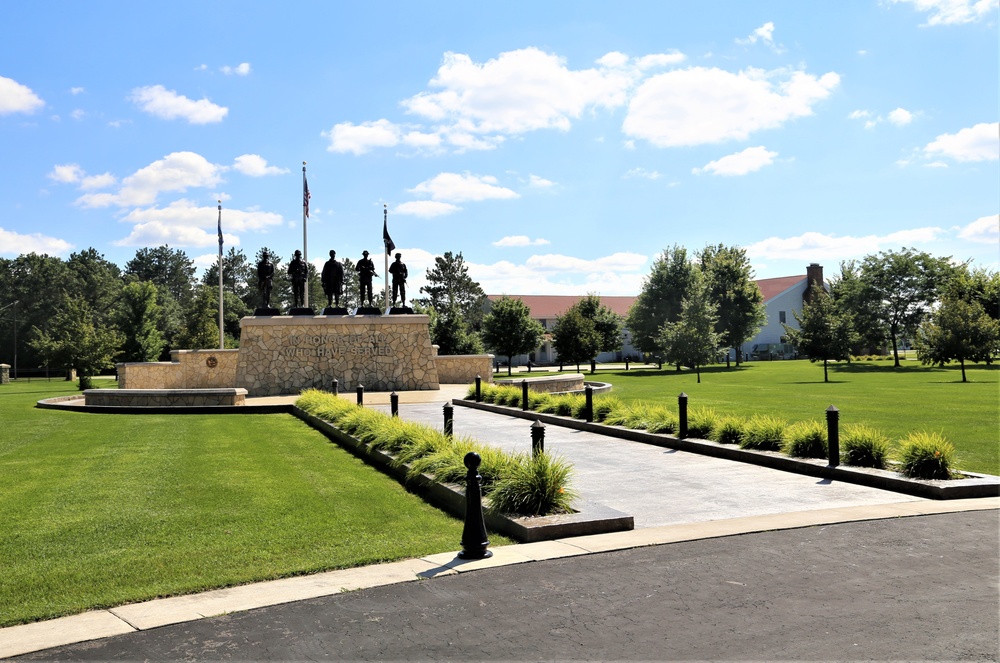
(692, 339)
(975, 285)
(901, 287)
(449, 285)
(958, 331)
(509, 329)
(575, 337)
(660, 301)
(137, 316)
(77, 336)
(452, 335)
(94, 279)
(39, 284)
(201, 315)
(166, 267)
(739, 301)
(238, 277)
(851, 296)
(607, 323)
(824, 332)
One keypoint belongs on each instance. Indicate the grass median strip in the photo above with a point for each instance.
(101, 510)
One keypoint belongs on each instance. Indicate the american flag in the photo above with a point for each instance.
(220, 228)
(305, 195)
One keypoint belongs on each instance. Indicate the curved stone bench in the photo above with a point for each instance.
(547, 383)
(164, 397)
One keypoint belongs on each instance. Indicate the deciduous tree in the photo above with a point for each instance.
(575, 337)
(78, 337)
(137, 316)
(691, 340)
(740, 304)
(824, 333)
(661, 298)
(509, 329)
(959, 331)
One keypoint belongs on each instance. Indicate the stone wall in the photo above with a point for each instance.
(164, 397)
(4, 373)
(463, 369)
(190, 369)
(286, 354)
(548, 384)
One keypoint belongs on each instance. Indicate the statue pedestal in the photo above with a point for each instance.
(401, 310)
(286, 354)
(368, 310)
(335, 310)
(266, 310)
(301, 310)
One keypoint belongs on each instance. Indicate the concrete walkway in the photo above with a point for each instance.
(674, 496)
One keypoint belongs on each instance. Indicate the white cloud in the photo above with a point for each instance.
(360, 138)
(426, 208)
(539, 182)
(984, 230)
(183, 223)
(814, 246)
(78, 114)
(420, 140)
(178, 171)
(642, 172)
(697, 105)
(860, 115)
(749, 160)
(76, 90)
(520, 240)
(15, 244)
(618, 274)
(168, 105)
(17, 98)
(978, 143)
(952, 12)
(517, 92)
(254, 165)
(659, 60)
(765, 34)
(102, 181)
(456, 188)
(900, 117)
(240, 70)
(69, 173)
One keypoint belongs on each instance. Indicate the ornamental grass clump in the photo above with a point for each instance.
(661, 420)
(604, 405)
(728, 430)
(701, 421)
(805, 439)
(925, 455)
(862, 445)
(764, 433)
(536, 485)
(536, 400)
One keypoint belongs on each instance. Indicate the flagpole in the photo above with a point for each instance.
(385, 247)
(222, 334)
(305, 250)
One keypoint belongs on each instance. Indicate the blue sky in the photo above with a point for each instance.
(560, 146)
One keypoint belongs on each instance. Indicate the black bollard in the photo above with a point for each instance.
(529, 366)
(588, 393)
(361, 395)
(449, 419)
(474, 540)
(626, 363)
(335, 387)
(394, 404)
(479, 389)
(496, 367)
(593, 366)
(682, 415)
(833, 435)
(524, 394)
(560, 367)
(537, 438)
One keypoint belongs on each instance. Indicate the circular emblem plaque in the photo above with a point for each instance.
(211, 362)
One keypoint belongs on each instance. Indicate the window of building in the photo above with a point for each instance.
(781, 317)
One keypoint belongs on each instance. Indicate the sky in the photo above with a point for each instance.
(559, 146)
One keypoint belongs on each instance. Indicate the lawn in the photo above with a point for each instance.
(895, 400)
(100, 510)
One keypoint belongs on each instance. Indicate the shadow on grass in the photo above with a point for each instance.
(652, 373)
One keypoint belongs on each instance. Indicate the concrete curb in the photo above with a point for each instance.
(96, 624)
(975, 486)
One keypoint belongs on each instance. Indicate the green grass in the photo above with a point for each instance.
(896, 401)
(100, 510)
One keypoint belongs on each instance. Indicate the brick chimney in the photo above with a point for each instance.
(814, 276)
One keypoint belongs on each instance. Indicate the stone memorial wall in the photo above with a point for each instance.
(286, 354)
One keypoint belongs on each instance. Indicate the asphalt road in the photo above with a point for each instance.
(918, 588)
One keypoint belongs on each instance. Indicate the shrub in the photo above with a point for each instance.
(805, 439)
(536, 485)
(537, 400)
(661, 420)
(763, 432)
(564, 404)
(926, 456)
(604, 405)
(489, 392)
(728, 430)
(701, 421)
(864, 446)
